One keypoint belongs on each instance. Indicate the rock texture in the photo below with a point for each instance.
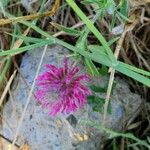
(43, 132)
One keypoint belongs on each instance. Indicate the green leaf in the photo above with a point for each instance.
(121, 68)
(91, 68)
(113, 21)
(82, 40)
(109, 109)
(123, 17)
(101, 58)
(93, 30)
(25, 48)
(110, 6)
(104, 5)
(148, 139)
(124, 8)
(27, 38)
(69, 31)
(6, 67)
(82, 44)
(90, 99)
(96, 102)
(98, 89)
(113, 86)
(115, 145)
(100, 3)
(138, 70)
(5, 2)
(103, 71)
(97, 48)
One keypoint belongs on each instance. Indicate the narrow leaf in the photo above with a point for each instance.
(67, 30)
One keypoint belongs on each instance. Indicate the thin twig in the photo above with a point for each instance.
(29, 97)
(112, 73)
(140, 57)
(7, 87)
(111, 79)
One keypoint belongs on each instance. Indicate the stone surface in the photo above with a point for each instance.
(43, 132)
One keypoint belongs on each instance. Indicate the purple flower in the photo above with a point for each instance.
(62, 89)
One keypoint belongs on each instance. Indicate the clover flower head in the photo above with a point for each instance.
(62, 89)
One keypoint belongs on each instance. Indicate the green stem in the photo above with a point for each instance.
(94, 31)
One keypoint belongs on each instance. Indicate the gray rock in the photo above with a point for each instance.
(43, 132)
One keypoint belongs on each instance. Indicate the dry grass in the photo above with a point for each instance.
(133, 47)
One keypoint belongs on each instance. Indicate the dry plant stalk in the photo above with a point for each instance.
(17, 44)
(7, 87)
(32, 16)
(134, 18)
(28, 98)
(136, 3)
(112, 73)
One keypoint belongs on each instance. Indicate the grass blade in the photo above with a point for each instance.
(93, 30)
